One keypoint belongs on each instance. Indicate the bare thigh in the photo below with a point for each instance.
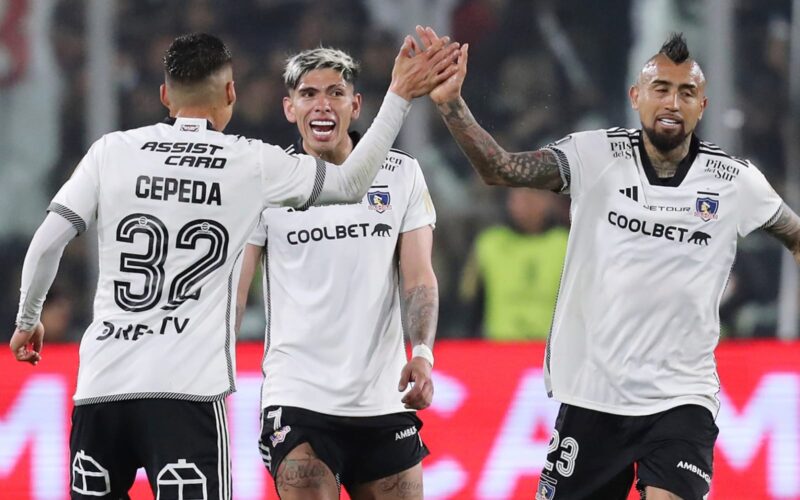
(652, 493)
(406, 485)
(303, 476)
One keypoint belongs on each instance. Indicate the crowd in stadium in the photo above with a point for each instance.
(554, 78)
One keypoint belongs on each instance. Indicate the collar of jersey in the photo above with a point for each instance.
(170, 120)
(298, 145)
(680, 173)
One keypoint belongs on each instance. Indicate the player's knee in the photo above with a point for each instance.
(302, 475)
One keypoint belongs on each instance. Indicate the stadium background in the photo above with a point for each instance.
(73, 70)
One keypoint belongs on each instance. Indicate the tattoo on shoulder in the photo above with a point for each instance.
(785, 225)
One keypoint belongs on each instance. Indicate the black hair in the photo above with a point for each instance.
(675, 48)
(194, 57)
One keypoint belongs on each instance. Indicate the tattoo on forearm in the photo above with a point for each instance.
(537, 169)
(301, 473)
(421, 313)
(398, 486)
(785, 226)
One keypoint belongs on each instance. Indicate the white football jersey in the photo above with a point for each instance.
(637, 317)
(334, 339)
(175, 203)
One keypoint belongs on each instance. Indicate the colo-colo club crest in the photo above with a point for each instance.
(706, 208)
(380, 201)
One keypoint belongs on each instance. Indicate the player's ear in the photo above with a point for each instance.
(288, 110)
(633, 95)
(356, 106)
(163, 95)
(703, 106)
(230, 92)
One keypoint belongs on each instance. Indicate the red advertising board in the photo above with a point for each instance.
(488, 428)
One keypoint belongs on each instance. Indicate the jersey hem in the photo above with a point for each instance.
(639, 411)
(337, 413)
(153, 395)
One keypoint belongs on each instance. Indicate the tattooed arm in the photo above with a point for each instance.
(533, 169)
(421, 312)
(785, 225)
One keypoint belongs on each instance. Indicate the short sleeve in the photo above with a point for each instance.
(582, 158)
(77, 199)
(293, 180)
(420, 211)
(259, 235)
(566, 154)
(758, 201)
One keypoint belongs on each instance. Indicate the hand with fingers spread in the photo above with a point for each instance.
(27, 345)
(417, 370)
(450, 88)
(417, 71)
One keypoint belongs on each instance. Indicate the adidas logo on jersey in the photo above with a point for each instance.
(404, 434)
(631, 192)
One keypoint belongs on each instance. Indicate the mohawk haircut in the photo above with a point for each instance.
(675, 48)
(194, 57)
(319, 58)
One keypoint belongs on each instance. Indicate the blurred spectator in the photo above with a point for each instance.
(511, 282)
(57, 316)
(537, 69)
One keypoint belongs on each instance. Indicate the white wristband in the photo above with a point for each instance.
(424, 352)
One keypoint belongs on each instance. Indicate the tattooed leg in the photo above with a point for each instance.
(303, 476)
(406, 485)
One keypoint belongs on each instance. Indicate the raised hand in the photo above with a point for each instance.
(27, 345)
(417, 70)
(450, 89)
(418, 371)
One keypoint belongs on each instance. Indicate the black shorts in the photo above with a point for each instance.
(356, 449)
(592, 454)
(182, 445)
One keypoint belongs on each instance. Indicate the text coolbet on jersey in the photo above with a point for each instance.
(623, 341)
(331, 282)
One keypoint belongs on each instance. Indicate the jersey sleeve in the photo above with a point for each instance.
(758, 201)
(579, 175)
(420, 211)
(77, 199)
(259, 234)
(566, 154)
(293, 180)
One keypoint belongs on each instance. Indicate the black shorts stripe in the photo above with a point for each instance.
(72, 217)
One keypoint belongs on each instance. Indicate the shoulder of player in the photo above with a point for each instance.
(713, 151)
(398, 163)
(595, 136)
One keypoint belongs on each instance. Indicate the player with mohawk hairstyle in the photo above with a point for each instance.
(656, 215)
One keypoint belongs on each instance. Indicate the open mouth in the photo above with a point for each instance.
(669, 122)
(322, 129)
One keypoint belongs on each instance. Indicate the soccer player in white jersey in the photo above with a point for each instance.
(656, 214)
(333, 279)
(174, 204)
